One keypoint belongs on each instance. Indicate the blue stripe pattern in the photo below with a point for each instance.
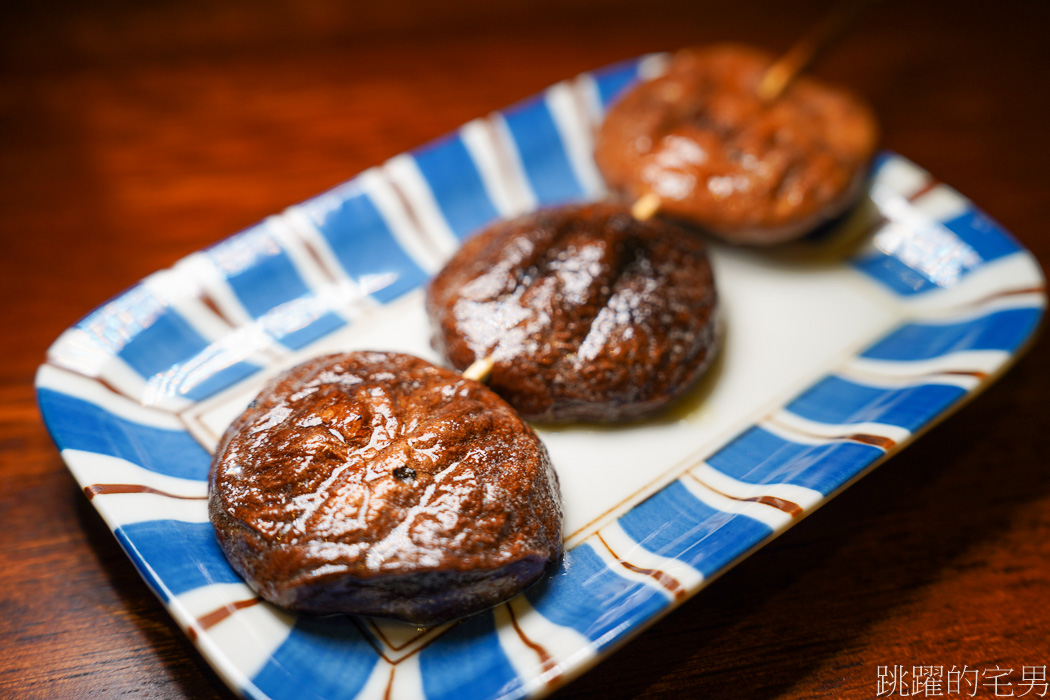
(76, 424)
(196, 561)
(364, 244)
(758, 456)
(986, 237)
(1000, 330)
(676, 524)
(323, 658)
(268, 280)
(894, 274)
(209, 373)
(456, 183)
(331, 658)
(542, 152)
(265, 276)
(982, 235)
(309, 328)
(837, 400)
(469, 662)
(587, 596)
(613, 80)
(163, 343)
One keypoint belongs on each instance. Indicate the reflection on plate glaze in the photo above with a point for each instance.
(136, 394)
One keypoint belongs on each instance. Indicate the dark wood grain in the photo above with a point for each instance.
(132, 134)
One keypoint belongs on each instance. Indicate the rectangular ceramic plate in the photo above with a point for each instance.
(839, 350)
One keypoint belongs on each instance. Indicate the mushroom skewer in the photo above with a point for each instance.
(375, 483)
(579, 312)
(479, 370)
(722, 141)
(768, 88)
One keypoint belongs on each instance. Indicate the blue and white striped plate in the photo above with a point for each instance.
(838, 352)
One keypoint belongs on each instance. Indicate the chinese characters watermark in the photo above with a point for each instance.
(938, 681)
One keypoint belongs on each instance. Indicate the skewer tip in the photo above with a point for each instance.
(646, 206)
(783, 72)
(480, 370)
(774, 81)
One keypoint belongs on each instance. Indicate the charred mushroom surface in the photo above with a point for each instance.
(378, 484)
(587, 313)
(715, 154)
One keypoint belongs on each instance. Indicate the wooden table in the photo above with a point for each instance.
(133, 134)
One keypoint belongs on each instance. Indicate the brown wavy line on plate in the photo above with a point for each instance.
(265, 350)
(547, 662)
(925, 189)
(930, 183)
(373, 635)
(985, 300)
(975, 373)
(181, 415)
(978, 374)
(782, 504)
(209, 620)
(93, 490)
(117, 391)
(880, 219)
(315, 255)
(375, 644)
(414, 218)
(1039, 289)
(788, 507)
(423, 631)
(880, 441)
(507, 169)
(104, 383)
(209, 301)
(395, 647)
(670, 583)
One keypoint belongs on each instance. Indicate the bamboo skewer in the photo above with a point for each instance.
(779, 76)
(480, 370)
(646, 206)
(785, 69)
